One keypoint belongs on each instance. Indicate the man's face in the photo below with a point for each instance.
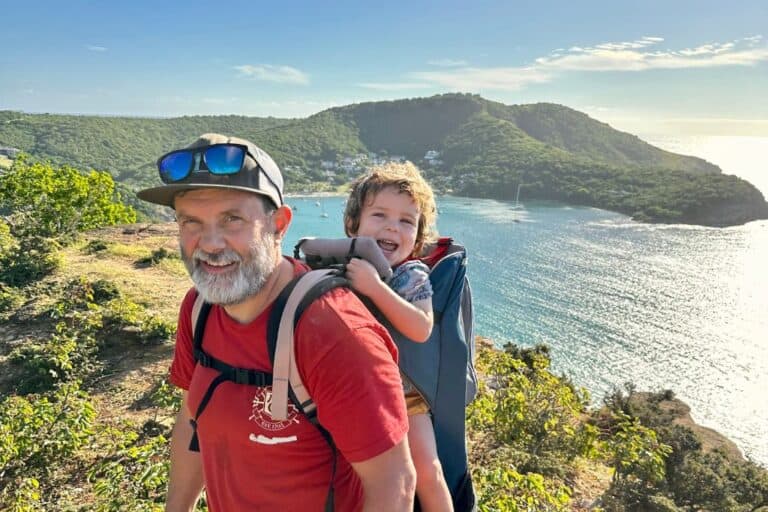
(227, 243)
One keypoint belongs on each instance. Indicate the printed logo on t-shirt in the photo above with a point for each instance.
(261, 411)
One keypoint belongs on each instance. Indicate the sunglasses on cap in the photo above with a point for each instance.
(217, 159)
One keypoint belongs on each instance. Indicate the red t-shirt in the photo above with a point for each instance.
(348, 363)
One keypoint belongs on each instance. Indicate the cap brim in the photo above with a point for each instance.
(163, 195)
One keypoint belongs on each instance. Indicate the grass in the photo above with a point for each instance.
(158, 287)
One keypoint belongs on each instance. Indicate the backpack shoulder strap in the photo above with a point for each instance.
(196, 307)
(286, 312)
(284, 361)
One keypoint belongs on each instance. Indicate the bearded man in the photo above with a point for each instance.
(228, 198)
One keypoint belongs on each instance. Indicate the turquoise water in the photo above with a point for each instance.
(666, 307)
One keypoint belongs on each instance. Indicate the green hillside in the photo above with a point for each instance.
(486, 149)
(579, 134)
(126, 147)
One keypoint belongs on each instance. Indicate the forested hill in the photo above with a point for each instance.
(407, 126)
(485, 148)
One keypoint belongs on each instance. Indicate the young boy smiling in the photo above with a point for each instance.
(395, 206)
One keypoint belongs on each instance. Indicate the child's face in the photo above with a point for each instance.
(391, 218)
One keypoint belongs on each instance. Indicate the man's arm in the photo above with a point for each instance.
(389, 480)
(186, 476)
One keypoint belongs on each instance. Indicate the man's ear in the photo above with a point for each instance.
(282, 219)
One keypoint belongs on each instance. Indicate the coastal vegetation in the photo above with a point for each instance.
(481, 148)
(87, 315)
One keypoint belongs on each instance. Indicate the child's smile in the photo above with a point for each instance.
(391, 218)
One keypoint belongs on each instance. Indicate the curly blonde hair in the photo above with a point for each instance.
(406, 178)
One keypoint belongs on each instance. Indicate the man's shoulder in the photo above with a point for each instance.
(339, 313)
(189, 300)
(341, 303)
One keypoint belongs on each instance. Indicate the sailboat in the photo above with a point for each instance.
(323, 213)
(516, 207)
(517, 197)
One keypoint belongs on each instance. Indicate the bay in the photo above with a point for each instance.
(664, 306)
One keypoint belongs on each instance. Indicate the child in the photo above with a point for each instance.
(394, 205)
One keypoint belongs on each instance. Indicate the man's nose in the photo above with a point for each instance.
(211, 240)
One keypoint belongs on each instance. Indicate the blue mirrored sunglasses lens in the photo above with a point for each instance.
(224, 159)
(176, 166)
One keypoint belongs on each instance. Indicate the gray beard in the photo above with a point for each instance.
(237, 285)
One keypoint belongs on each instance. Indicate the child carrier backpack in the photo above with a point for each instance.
(441, 368)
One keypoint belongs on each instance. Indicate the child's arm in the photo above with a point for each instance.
(414, 320)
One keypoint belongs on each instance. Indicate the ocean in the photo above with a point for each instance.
(664, 306)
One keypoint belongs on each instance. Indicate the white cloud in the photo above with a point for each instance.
(95, 48)
(463, 79)
(638, 55)
(447, 63)
(270, 73)
(393, 86)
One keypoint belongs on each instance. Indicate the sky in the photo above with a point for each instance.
(653, 66)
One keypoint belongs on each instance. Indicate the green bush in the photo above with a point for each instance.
(104, 291)
(95, 246)
(157, 256)
(10, 299)
(32, 259)
(68, 354)
(533, 412)
(166, 395)
(134, 477)
(156, 330)
(51, 202)
(22, 495)
(506, 490)
(37, 434)
(8, 243)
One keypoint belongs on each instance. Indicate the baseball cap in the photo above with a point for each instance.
(259, 174)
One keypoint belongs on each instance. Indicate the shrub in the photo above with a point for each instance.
(506, 490)
(134, 477)
(32, 259)
(532, 411)
(47, 201)
(66, 355)
(157, 256)
(156, 330)
(10, 299)
(104, 291)
(37, 433)
(95, 246)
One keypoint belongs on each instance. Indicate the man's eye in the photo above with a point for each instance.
(232, 218)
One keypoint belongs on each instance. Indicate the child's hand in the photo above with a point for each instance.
(364, 277)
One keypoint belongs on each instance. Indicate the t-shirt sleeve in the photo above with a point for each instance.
(348, 362)
(183, 357)
(411, 281)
